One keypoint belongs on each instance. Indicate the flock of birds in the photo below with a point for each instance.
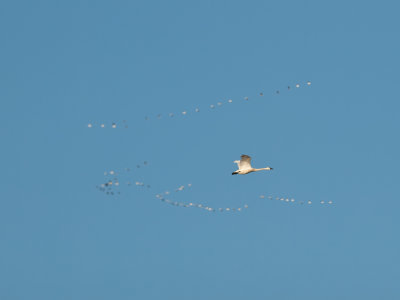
(113, 181)
(184, 113)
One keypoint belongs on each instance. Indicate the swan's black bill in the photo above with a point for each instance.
(235, 173)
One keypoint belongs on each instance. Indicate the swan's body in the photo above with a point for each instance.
(244, 166)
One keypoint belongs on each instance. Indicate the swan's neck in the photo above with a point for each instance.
(267, 168)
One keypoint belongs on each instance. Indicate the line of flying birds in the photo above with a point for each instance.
(124, 123)
(112, 183)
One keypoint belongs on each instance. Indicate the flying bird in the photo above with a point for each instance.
(245, 166)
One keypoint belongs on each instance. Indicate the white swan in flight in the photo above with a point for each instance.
(245, 166)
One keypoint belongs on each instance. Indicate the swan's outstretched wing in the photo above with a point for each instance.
(245, 162)
(237, 162)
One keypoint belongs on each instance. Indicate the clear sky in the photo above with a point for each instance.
(65, 64)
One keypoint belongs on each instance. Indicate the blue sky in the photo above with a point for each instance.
(69, 63)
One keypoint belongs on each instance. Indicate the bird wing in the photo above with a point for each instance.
(245, 162)
(237, 162)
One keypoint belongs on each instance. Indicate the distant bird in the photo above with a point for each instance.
(245, 166)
